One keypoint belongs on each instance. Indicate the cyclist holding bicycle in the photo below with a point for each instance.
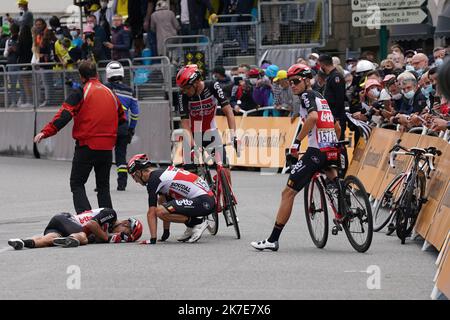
(183, 197)
(322, 132)
(198, 103)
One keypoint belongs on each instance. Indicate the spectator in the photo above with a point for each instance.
(397, 49)
(12, 56)
(46, 55)
(77, 41)
(312, 61)
(241, 7)
(439, 54)
(97, 113)
(334, 91)
(387, 67)
(413, 99)
(75, 53)
(282, 93)
(420, 63)
(426, 88)
(242, 95)
(61, 53)
(193, 14)
(368, 55)
(25, 54)
(100, 42)
(120, 40)
(351, 64)
(25, 18)
(223, 80)
(163, 24)
(88, 48)
(104, 17)
(55, 24)
(320, 81)
(151, 36)
(5, 34)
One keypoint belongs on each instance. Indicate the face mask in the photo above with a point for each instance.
(409, 67)
(349, 67)
(426, 91)
(74, 34)
(312, 63)
(90, 24)
(419, 72)
(347, 85)
(397, 96)
(438, 62)
(60, 36)
(408, 95)
(242, 75)
(253, 81)
(375, 92)
(387, 71)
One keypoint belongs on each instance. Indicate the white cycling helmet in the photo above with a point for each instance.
(114, 69)
(364, 66)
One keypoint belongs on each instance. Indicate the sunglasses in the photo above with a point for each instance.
(295, 82)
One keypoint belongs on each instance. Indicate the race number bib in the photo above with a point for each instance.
(325, 137)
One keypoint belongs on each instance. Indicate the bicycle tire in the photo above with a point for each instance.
(349, 217)
(408, 213)
(322, 241)
(229, 204)
(386, 200)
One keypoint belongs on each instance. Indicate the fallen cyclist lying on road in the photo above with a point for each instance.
(94, 226)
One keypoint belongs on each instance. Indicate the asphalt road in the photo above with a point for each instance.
(217, 267)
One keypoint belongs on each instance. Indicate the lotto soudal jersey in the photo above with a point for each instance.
(201, 109)
(104, 217)
(175, 183)
(323, 135)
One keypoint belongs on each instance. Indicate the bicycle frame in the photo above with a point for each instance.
(320, 177)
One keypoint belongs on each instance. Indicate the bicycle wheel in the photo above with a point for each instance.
(410, 208)
(229, 205)
(316, 212)
(385, 207)
(358, 221)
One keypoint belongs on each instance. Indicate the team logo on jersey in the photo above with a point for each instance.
(180, 187)
(184, 202)
(298, 167)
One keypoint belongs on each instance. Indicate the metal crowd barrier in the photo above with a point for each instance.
(293, 24)
(234, 40)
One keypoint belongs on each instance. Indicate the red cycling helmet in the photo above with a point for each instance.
(188, 75)
(136, 228)
(138, 162)
(300, 70)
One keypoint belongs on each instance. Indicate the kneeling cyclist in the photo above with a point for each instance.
(321, 129)
(93, 226)
(184, 198)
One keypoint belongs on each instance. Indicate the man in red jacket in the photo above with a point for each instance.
(97, 112)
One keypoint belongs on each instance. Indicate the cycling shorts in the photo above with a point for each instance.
(198, 207)
(311, 162)
(63, 225)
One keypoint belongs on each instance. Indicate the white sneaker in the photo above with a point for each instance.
(198, 231)
(264, 244)
(187, 234)
(17, 244)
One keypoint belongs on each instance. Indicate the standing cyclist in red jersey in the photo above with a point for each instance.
(322, 132)
(93, 226)
(198, 104)
(174, 195)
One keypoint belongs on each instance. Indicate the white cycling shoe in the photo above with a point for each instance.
(264, 244)
(186, 235)
(17, 244)
(198, 231)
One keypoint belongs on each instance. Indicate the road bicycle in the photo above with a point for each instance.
(349, 202)
(221, 186)
(403, 198)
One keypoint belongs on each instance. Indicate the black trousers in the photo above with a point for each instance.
(121, 160)
(84, 160)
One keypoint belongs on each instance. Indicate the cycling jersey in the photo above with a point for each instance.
(174, 183)
(323, 135)
(65, 223)
(201, 109)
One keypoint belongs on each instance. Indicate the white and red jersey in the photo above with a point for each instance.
(201, 109)
(175, 183)
(323, 135)
(105, 218)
